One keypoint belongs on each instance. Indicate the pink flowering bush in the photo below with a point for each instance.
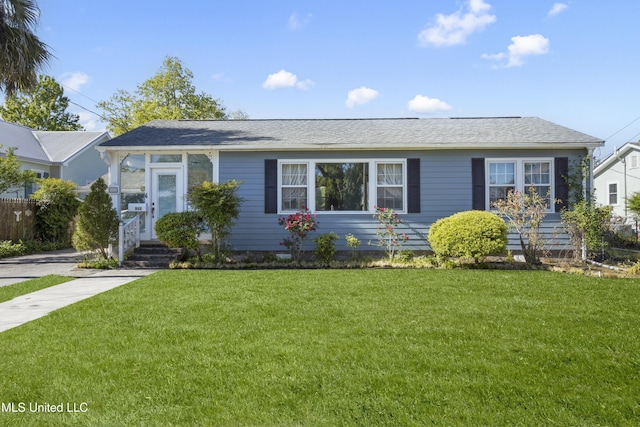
(388, 237)
(299, 225)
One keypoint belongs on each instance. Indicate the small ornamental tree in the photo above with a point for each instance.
(57, 206)
(525, 212)
(219, 205)
(299, 225)
(388, 236)
(97, 221)
(469, 235)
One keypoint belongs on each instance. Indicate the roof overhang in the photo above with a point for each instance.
(348, 147)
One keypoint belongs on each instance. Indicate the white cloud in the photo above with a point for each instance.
(361, 95)
(88, 121)
(296, 22)
(557, 8)
(426, 105)
(75, 80)
(521, 47)
(454, 29)
(283, 79)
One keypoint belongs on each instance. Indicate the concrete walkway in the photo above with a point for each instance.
(21, 268)
(26, 308)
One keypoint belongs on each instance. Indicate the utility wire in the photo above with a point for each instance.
(615, 133)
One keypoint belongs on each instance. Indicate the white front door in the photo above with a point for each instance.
(166, 194)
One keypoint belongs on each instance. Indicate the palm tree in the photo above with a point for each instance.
(22, 54)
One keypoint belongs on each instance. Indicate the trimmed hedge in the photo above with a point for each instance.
(469, 235)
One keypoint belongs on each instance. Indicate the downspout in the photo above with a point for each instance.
(587, 188)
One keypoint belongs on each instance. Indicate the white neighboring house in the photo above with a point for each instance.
(68, 155)
(617, 178)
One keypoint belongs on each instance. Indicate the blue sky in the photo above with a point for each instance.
(573, 62)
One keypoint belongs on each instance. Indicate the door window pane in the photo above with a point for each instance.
(167, 193)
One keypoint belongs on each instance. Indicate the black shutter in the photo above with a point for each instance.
(478, 194)
(561, 185)
(413, 185)
(270, 186)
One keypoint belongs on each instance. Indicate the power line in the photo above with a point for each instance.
(615, 133)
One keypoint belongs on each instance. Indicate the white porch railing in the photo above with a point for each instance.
(128, 236)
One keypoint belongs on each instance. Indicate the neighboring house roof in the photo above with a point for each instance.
(501, 132)
(47, 147)
(615, 157)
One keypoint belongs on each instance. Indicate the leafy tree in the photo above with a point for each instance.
(42, 108)
(22, 53)
(10, 173)
(219, 204)
(97, 221)
(633, 203)
(168, 95)
(57, 206)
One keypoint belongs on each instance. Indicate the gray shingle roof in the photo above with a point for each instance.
(45, 147)
(355, 133)
(61, 146)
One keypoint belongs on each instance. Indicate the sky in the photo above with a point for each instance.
(572, 62)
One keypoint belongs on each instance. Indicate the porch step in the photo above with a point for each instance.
(152, 255)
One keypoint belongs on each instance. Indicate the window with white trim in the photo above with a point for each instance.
(524, 175)
(633, 162)
(613, 193)
(341, 186)
(293, 186)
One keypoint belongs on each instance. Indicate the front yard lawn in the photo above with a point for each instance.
(334, 347)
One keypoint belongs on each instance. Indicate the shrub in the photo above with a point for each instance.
(299, 225)
(388, 236)
(9, 249)
(57, 206)
(219, 205)
(97, 221)
(353, 243)
(181, 230)
(325, 247)
(586, 224)
(470, 235)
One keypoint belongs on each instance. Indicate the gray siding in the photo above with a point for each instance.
(85, 168)
(445, 187)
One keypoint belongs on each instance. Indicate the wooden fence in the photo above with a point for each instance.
(17, 219)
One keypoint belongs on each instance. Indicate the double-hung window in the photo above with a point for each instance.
(613, 193)
(523, 175)
(294, 186)
(390, 185)
(342, 186)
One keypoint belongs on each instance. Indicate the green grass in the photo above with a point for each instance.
(11, 291)
(329, 347)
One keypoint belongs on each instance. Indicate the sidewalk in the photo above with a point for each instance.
(88, 283)
(32, 306)
(21, 268)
